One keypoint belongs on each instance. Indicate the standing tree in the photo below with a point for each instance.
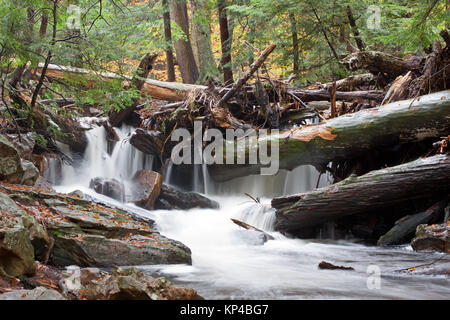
(168, 37)
(183, 48)
(225, 42)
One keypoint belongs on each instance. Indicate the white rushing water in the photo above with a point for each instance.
(232, 263)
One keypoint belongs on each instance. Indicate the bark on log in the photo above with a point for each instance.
(378, 189)
(376, 62)
(352, 135)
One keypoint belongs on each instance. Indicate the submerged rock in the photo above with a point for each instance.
(109, 187)
(146, 188)
(329, 266)
(435, 237)
(171, 198)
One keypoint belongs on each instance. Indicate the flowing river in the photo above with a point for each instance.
(229, 262)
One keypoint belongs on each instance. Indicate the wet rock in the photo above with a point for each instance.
(149, 142)
(329, 266)
(40, 293)
(146, 188)
(77, 194)
(109, 187)
(435, 237)
(126, 284)
(24, 144)
(50, 166)
(183, 200)
(30, 173)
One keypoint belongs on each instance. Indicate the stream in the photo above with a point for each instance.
(229, 262)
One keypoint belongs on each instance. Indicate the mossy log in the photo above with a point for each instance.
(379, 189)
(352, 135)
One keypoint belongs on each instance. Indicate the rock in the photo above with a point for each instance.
(183, 200)
(40, 293)
(24, 145)
(435, 237)
(77, 194)
(128, 284)
(42, 184)
(109, 187)
(149, 142)
(146, 188)
(30, 173)
(329, 266)
(50, 166)
(92, 235)
(20, 233)
(12, 168)
(404, 229)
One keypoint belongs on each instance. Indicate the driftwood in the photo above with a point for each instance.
(323, 94)
(352, 135)
(378, 189)
(249, 227)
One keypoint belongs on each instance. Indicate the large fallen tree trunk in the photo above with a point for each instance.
(380, 62)
(352, 135)
(378, 189)
(171, 91)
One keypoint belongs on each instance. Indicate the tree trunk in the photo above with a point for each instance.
(324, 94)
(168, 37)
(378, 189)
(146, 64)
(354, 134)
(352, 22)
(225, 41)
(201, 40)
(183, 48)
(295, 50)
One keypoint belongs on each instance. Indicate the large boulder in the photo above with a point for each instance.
(435, 237)
(39, 293)
(146, 188)
(109, 187)
(171, 198)
(12, 168)
(90, 234)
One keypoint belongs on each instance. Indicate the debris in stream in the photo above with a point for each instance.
(329, 266)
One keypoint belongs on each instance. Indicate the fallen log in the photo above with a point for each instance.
(171, 91)
(404, 229)
(419, 179)
(352, 135)
(380, 62)
(324, 94)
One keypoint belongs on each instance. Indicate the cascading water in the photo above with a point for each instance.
(230, 262)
